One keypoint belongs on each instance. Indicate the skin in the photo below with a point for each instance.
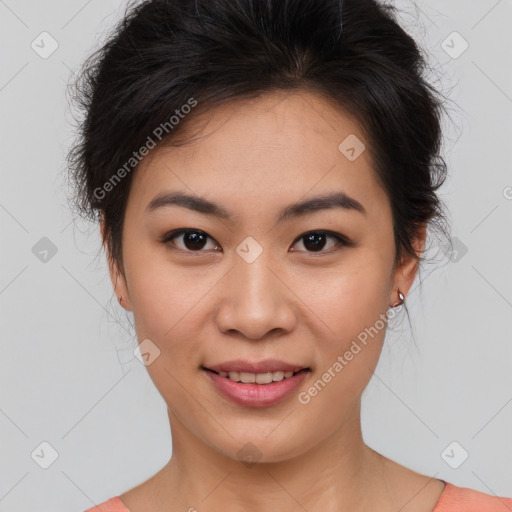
(254, 157)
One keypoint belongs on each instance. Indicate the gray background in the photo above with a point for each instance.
(68, 374)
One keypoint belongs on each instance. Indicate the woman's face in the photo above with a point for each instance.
(251, 286)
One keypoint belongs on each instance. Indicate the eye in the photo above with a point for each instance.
(193, 240)
(315, 241)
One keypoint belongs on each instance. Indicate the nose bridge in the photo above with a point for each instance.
(256, 279)
(255, 300)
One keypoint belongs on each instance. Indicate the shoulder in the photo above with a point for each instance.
(463, 499)
(112, 505)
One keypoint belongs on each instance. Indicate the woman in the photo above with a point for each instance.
(265, 174)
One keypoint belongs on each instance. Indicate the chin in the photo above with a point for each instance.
(253, 447)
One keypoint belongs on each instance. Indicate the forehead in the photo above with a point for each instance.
(261, 149)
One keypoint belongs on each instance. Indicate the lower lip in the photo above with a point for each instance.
(256, 395)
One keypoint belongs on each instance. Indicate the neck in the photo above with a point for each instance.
(335, 474)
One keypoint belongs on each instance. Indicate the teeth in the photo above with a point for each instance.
(248, 378)
(258, 378)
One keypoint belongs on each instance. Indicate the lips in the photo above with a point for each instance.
(255, 390)
(266, 366)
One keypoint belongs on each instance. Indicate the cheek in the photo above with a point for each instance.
(352, 297)
(166, 309)
(162, 294)
(351, 306)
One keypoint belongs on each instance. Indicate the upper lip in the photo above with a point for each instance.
(268, 365)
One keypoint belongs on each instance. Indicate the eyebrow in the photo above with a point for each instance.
(206, 207)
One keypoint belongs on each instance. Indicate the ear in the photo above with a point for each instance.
(116, 276)
(406, 270)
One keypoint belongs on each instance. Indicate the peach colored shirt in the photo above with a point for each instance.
(453, 499)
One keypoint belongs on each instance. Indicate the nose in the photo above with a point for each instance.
(255, 301)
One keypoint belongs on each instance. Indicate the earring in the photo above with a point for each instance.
(120, 299)
(401, 298)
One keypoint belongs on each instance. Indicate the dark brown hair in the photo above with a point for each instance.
(165, 55)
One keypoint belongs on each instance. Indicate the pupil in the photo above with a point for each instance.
(194, 240)
(316, 241)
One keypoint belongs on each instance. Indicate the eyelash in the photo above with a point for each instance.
(342, 241)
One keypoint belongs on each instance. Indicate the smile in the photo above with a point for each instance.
(256, 389)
